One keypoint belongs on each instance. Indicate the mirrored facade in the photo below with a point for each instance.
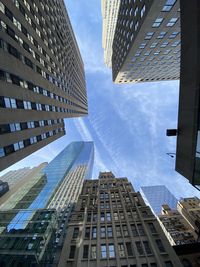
(44, 204)
(158, 195)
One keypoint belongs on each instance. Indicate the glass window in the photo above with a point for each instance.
(125, 230)
(121, 250)
(87, 232)
(72, 252)
(103, 251)
(16, 146)
(109, 231)
(129, 249)
(153, 264)
(7, 102)
(134, 230)
(76, 232)
(118, 231)
(93, 252)
(85, 251)
(12, 127)
(108, 216)
(116, 218)
(160, 245)
(152, 228)
(21, 144)
(168, 264)
(140, 229)
(102, 216)
(147, 247)
(2, 154)
(103, 231)
(111, 250)
(17, 126)
(94, 232)
(139, 247)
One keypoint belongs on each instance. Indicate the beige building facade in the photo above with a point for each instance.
(112, 226)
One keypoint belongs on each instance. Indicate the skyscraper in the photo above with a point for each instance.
(41, 76)
(146, 44)
(188, 134)
(157, 195)
(112, 226)
(109, 9)
(46, 201)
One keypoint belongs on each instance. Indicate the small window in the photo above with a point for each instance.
(85, 251)
(103, 251)
(76, 232)
(139, 247)
(121, 250)
(2, 153)
(168, 264)
(160, 245)
(129, 249)
(93, 252)
(72, 252)
(111, 251)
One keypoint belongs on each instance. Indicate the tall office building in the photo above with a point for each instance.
(42, 76)
(157, 195)
(188, 136)
(41, 208)
(112, 226)
(109, 9)
(146, 44)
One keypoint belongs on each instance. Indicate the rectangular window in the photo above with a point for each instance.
(147, 247)
(85, 251)
(129, 249)
(139, 248)
(109, 231)
(116, 218)
(153, 264)
(108, 216)
(102, 216)
(160, 245)
(94, 232)
(76, 232)
(72, 252)
(121, 250)
(152, 228)
(111, 251)
(103, 251)
(134, 230)
(93, 252)
(2, 154)
(103, 231)
(125, 230)
(168, 264)
(118, 231)
(140, 229)
(89, 217)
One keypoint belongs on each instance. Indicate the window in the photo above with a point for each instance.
(108, 217)
(147, 247)
(76, 232)
(125, 230)
(85, 251)
(160, 245)
(103, 231)
(134, 230)
(116, 218)
(111, 250)
(72, 252)
(121, 250)
(4, 128)
(157, 22)
(149, 35)
(168, 5)
(129, 249)
(89, 217)
(102, 216)
(2, 154)
(139, 247)
(152, 228)
(153, 45)
(109, 231)
(168, 264)
(93, 252)
(118, 231)
(172, 22)
(161, 35)
(94, 232)
(87, 232)
(186, 263)
(153, 264)
(140, 229)
(103, 251)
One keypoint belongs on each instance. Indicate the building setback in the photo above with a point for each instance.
(157, 195)
(146, 45)
(42, 78)
(41, 208)
(112, 226)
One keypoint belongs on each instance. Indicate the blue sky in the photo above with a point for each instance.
(126, 122)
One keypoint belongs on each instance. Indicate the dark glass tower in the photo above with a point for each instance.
(42, 76)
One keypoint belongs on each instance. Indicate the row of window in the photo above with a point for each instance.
(18, 126)
(16, 80)
(27, 61)
(7, 102)
(124, 250)
(7, 150)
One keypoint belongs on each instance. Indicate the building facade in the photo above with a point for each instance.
(52, 194)
(157, 195)
(112, 226)
(109, 10)
(42, 78)
(188, 137)
(146, 45)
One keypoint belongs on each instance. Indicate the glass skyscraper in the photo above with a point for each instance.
(157, 195)
(47, 204)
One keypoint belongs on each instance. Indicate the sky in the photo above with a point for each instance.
(126, 122)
